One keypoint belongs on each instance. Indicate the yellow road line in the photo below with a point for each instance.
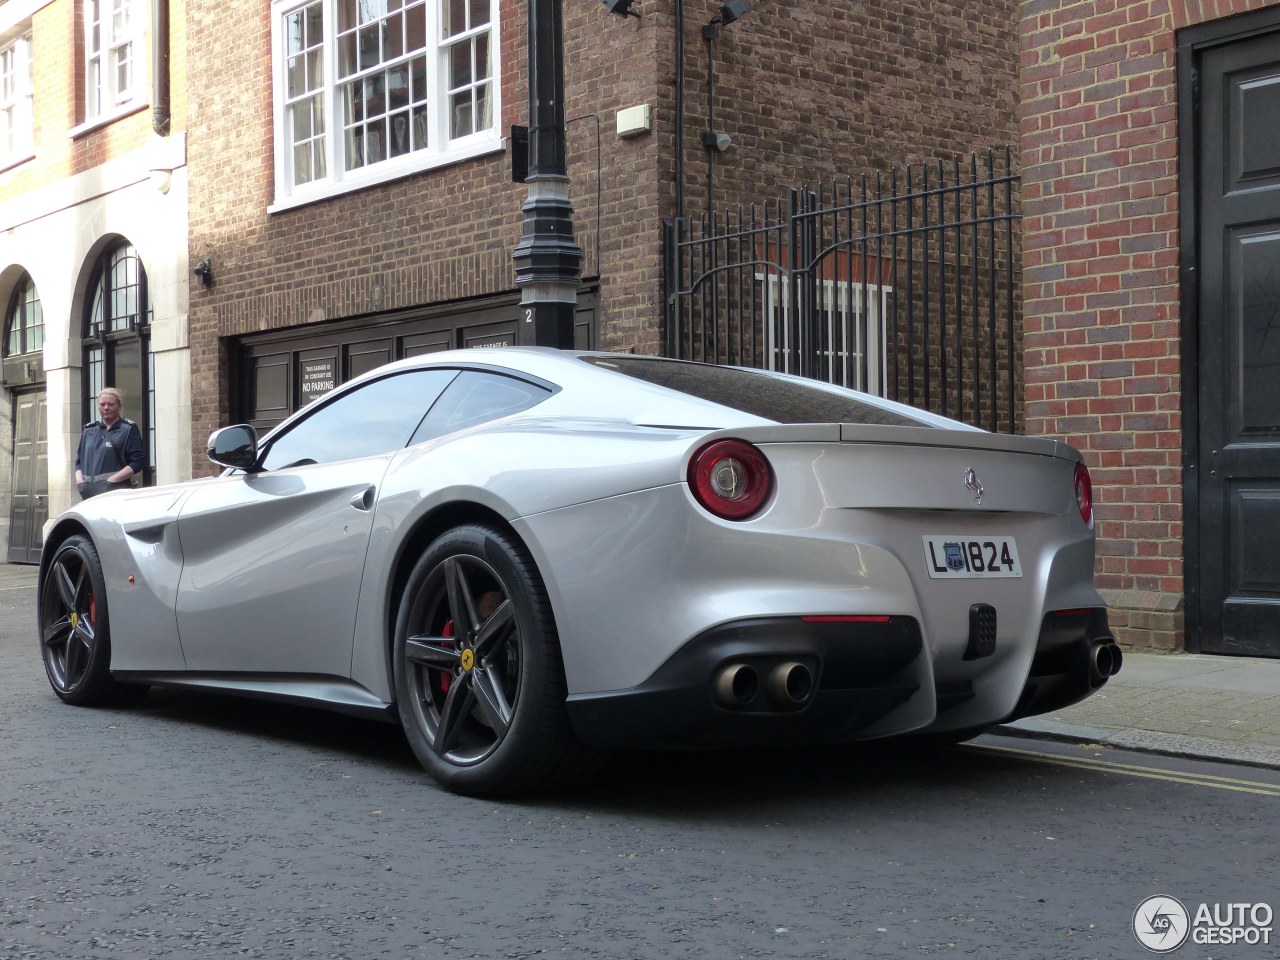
(1132, 770)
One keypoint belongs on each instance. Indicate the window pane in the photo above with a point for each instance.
(461, 124)
(399, 140)
(484, 109)
(479, 12)
(398, 86)
(376, 418)
(482, 57)
(35, 321)
(476, 398)
(294, 34)
(416, 28)
(454, 17)
(393, 38)
(459, 65)
(347, 17)
(370, 47)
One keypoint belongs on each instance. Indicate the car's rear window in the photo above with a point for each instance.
(756, 393)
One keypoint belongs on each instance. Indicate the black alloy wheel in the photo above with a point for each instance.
(75, 633)
(479, 680)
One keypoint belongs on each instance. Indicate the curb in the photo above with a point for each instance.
(1145, 741)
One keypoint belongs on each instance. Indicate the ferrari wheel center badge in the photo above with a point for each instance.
(468, 659)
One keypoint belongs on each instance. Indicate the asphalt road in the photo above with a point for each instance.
(202, 826)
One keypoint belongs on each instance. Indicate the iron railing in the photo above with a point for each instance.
(905, 285)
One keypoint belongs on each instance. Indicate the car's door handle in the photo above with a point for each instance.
(364, 499)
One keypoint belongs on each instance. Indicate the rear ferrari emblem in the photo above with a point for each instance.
(973, 485)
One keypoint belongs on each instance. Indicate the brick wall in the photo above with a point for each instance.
(1101, 296)
(806, 93)
(814, 91)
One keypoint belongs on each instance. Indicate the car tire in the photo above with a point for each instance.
(75, 629)
(479, 678)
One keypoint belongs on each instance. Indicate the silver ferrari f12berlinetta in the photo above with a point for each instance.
(528, 556)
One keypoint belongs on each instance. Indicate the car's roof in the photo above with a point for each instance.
(567, 368)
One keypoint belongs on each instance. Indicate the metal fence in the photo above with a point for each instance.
(905, 285)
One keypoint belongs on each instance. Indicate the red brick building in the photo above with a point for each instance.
(351, 167)
(1151, 200)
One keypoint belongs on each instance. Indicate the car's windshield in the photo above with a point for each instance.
(755, 393)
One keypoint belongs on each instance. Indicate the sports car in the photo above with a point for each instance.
(527, 557)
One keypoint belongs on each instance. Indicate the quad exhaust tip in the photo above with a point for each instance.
(1105, 660)
(791, 683)
(737, 684)
(788, 684)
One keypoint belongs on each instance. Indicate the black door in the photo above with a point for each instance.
(1237, 515)
(29, 506)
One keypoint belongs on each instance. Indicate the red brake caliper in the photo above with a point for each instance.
(444, 676)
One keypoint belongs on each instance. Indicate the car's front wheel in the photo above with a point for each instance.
(479, 679)
(75, 632)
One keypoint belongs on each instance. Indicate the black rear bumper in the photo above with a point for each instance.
(858, 672)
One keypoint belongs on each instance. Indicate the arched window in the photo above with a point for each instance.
(24, 321)
(117, 342)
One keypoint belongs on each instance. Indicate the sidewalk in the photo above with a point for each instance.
(1221, 708)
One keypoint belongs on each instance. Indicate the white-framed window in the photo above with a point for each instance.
(851, 326)
(112, 44)
(370, 90)
(16, 99)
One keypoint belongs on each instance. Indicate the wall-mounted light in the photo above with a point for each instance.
(713, 140)
(621, 7)
(204, 272)
(161, 178)
(732, 10)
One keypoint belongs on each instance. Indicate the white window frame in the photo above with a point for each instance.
(17, 124)
(841, 304)
(331, 140)
(114, 58)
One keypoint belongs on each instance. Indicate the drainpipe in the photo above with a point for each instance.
(679, 109)
(160, 67)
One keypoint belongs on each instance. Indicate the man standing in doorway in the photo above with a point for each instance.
(110, 452)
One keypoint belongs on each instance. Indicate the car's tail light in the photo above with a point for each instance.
(730, 478)
(1084, 493)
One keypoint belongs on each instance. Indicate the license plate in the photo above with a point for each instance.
(967, 558)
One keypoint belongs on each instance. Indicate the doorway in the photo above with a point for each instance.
(29, 503)
(1231, 287)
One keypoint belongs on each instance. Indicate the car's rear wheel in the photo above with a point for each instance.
(479, 679)
(75, 631)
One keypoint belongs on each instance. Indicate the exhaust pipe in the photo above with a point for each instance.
(1105, 661)
(791, 683)
(736, 684)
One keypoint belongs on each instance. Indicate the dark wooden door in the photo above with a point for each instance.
(29, 505)
(1238, 258)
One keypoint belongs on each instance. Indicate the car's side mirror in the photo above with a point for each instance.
(234, 447)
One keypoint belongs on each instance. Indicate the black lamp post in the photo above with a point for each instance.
(548, 262)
